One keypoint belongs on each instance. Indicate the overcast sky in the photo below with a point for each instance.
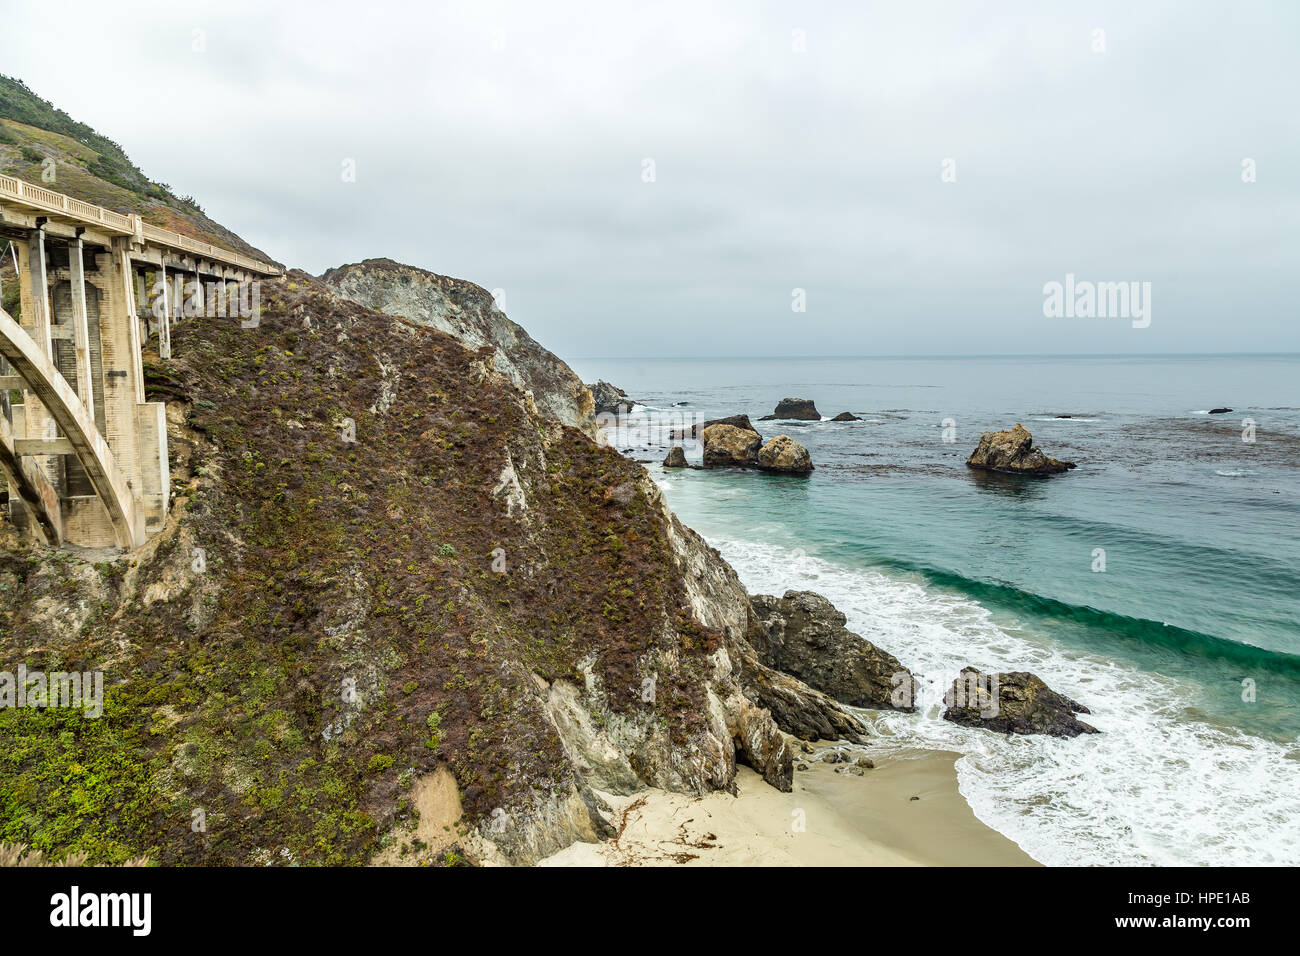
(794, 146)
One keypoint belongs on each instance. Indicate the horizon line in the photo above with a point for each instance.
(941, 355)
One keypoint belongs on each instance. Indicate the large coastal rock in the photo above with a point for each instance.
(795, 707)
(726, 446)
(468, 313)
(609, 398)
(1013, 703)
(803, 634)
(796, 409)
(1013, 451)
(783, 455)
(676, 458)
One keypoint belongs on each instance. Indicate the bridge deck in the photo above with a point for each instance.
(46, 202)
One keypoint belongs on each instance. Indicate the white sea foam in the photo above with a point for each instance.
(1157, 786)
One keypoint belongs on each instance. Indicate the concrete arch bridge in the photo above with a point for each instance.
(84, 455)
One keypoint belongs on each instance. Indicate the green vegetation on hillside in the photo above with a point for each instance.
(110, 162)
(93, 168)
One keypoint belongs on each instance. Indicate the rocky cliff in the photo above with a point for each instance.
(468, 313)
(399, 614)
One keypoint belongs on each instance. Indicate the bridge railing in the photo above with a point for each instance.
(38, 197)
(175, 239)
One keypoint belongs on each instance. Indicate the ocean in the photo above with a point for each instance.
(1158, 583)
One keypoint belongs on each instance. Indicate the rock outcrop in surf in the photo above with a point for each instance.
(804, 634)
(796, 409)
(784, 456)
(1013, 703)
(730, 446)
(676, 458)
(726, 446)
(1013, 451)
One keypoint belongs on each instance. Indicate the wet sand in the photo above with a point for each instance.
(831, 819)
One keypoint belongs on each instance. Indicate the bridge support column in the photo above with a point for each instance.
(80, 325)
(37, 425)
(36, 292)
(165, 329)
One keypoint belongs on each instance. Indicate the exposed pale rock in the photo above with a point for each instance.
(760, 744)
(469, 312)
(726, 446)
(785, 455)
(1013, 451)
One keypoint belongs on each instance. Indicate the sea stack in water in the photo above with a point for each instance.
(676, 458)
(784, 455)
(797, 409)
(726, 446)
(609, 398)
(1013, 703)
(846, 417)
(1013, 451)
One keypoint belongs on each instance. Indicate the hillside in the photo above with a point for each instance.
(469, 600)
(93, 168)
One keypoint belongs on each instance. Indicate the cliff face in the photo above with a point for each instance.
(469, 314)
(392, 595)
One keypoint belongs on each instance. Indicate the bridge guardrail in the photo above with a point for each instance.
(46, 199)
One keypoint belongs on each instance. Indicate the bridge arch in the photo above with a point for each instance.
(76, 356)
(68, 412)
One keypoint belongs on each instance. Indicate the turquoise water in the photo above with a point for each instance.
(1186, 645)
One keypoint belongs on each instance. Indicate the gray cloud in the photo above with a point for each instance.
(503, 143)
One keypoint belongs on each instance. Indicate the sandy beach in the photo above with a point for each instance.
(831, 819)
